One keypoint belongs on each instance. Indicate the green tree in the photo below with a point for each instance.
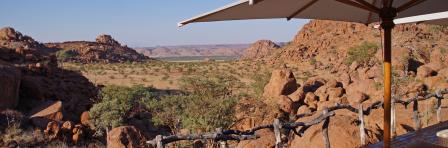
(209, 104)
(116, 102)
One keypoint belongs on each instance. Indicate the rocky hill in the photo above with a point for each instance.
(260, 49)
(332, 62)
(105, 49)
(35, 91)
(329, 41)
(234, 50)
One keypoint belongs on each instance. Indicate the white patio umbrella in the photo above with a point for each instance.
(440, 18)
(360, 11)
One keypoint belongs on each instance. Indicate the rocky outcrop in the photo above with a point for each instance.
(45, 113)
(9, 85)
(105, 49)
(125, 137)
(38, 79)
(107, 39)
(260, 49)
(281, 84)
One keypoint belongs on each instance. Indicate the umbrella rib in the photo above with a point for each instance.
(370, 13)
(368, 5)
(355, 4)
(409, 5)
(301, 9)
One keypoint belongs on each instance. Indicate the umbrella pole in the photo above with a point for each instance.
(387, 86)
(387, 16)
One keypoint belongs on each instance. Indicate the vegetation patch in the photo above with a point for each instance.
(361, 53)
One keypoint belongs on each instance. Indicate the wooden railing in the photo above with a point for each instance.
(324, 116)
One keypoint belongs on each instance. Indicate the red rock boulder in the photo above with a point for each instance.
(125, 137)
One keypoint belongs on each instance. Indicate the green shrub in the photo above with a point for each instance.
(260, 80)
(116, 102)
(207, 105)
(65, 54)
(361, 53)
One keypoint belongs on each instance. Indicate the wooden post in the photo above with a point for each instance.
(415, 115)
(278, 138)
(387, 16)
(325, 129)
(439, 97)
(361, 124)
(159, 139)
(222, 143)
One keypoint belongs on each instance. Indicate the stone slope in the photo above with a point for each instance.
(260, 49)
(105, 49)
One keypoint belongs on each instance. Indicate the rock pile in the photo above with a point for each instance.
(260, 49)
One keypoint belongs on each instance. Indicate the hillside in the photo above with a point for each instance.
(105, 49)
(234, 50)
(329, 41)
(260, 49)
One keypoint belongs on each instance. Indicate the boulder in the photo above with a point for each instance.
(67, 125)
(310, 98)
(52, 130)
(425, 71)
(85, 118)
(282, 82)
(9, 86)
(357, 97)
(266, 140)
(345, 79)
(77, 133)
(125, 137)
(325, 104)
(303, 110)
(285, 103)
(342, 134)
(332, 83)
(46, 112)
(298, 95)
(334, 93)
(321, 93)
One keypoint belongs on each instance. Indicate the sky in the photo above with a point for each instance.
(136, 23)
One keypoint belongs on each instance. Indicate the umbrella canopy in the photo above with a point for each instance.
(337, 10)
(360, 11)
(434, 18)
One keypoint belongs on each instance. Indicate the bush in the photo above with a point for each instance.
(260, 80)
(207, 105)
(65, 54)
(361, 53)
(116, 102)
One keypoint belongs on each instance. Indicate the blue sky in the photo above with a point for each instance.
(136, 22)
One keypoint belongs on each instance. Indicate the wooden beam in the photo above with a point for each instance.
(409, 5)
(301, 9)
(357, 5)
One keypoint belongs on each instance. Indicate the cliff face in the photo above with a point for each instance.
(105, 49)
(30, 76)
(260, 49)
(329, 41)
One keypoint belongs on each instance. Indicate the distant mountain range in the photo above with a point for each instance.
(233, 50)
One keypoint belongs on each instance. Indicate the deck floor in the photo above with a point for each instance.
(423, 138)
